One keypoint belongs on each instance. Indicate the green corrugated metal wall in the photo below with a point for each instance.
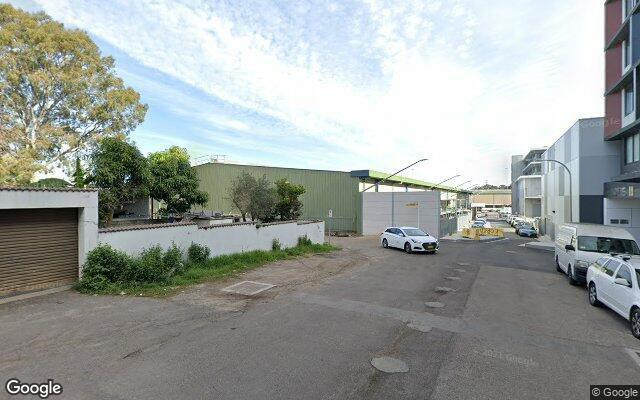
(324, 190)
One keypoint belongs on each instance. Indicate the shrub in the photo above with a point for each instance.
(103, 265)
(172, 259)
(149, 267)
(304, 241)
(275, 245)
(198, 254)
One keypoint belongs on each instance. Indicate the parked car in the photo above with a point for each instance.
(615, 282)
(478, 224)
(410, 239)
(527, 230)
(579, 245)
(517, 220)
(519, 224)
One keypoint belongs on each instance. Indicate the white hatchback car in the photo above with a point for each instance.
(615, 282)
(410, 239)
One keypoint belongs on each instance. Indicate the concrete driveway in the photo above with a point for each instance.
(512, 328)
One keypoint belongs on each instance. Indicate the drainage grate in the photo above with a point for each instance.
(248, 288)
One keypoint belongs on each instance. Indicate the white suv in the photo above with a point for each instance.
(615, 282)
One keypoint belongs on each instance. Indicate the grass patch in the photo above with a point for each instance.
(211, 269)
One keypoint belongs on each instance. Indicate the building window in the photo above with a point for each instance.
(628, 7)
(614, 221)
(632, 149)
(626, 55)
(629, 107)
(624, 222)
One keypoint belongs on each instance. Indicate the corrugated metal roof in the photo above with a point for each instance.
(44, 189)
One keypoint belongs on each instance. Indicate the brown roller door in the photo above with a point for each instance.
(38, 249)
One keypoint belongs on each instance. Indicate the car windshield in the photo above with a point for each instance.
(527, 227)
(607, 245)
(415, 232)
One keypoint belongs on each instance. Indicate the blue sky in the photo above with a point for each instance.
(368, 84)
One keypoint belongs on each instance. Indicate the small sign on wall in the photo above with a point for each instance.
(412, 205)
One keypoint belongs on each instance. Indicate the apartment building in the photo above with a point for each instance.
(592, 161)
(622, 123)
(526, 183)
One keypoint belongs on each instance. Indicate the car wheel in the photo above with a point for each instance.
(385, 244)
(558, 266)
(593, 295)
(407, 247)
(635, 322)
(572, 281)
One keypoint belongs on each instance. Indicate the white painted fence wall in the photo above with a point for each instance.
(221, 239)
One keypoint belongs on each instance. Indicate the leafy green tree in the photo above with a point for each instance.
(58, 95)
(78, 175)
(174, 181)
(263, 201)
(289, 206)
(254, 197)
(121, 173)
(240, 193)
(52, 183)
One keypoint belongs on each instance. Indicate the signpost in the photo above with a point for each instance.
(329, 228)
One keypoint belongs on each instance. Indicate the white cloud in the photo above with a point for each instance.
(384, 81)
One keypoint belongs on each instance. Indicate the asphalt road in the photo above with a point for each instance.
(512, 328)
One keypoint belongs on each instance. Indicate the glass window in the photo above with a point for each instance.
(624, 222)
(628, 99)
(610, 267)
(607, 245)
(614, 221)
(628, 159)
(638, 275)
(624, 273)
(628, 7)
(636, 147)
(415, 232)
(627, 53)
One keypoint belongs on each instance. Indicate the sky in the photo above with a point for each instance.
(347, 85)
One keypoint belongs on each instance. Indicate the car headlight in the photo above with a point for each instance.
(583, 264)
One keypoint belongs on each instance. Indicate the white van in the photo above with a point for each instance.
(579, 245)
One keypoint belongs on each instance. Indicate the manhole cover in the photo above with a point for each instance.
(248, 288)
(389, 365)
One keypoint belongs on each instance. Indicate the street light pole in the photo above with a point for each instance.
(392, 197)
(396, 173)
(570, 187)
(446, 180)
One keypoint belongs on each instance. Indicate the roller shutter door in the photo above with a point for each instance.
(38, 249)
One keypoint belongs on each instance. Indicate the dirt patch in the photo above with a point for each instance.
(287, 275)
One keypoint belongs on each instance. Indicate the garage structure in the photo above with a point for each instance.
(45, 234)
